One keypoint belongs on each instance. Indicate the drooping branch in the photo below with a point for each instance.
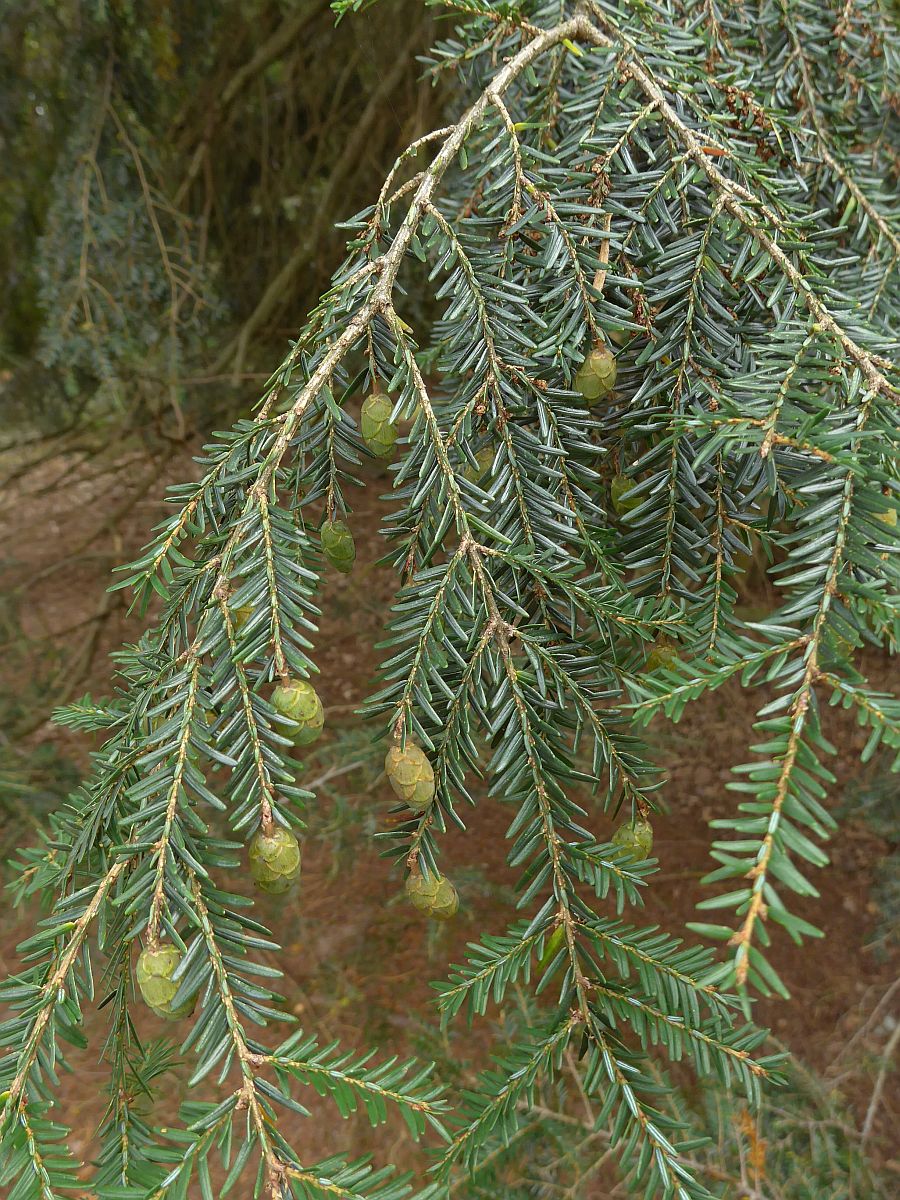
(734, 199)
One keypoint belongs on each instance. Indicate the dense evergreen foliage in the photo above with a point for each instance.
(664, 244)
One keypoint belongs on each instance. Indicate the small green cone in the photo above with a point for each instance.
(637, 839)
(241, 615)
(298, 701)
(338, 545)
(437, 898)
(378, 431)
(621, 502)
(155, 968)
(274, 860)
(411, 775)
(596, 377)
(552, 946)
(663, 654)
(485, 460)
(838, 648)
(156, 723)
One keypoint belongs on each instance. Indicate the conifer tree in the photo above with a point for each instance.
(663, 245)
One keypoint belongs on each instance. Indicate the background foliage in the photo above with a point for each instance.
(174, 173)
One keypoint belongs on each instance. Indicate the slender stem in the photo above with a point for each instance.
(52, 990)
(799, 713)
(161, 849)
(266, 788)
(272, 588)
(247, 1059)
(813, 101)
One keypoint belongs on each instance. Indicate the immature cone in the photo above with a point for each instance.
(596, 376)
(663, 654)
(298, 700)
(411, 775)
(485, 459)
(437, 898)
(156, 723)
(552, 947)
(241, 615)
(889, 517)
(274, 860)
(378, 431)
(622, 503)
(637, 839)
(155, 968)
(839, 647)
(338, 545)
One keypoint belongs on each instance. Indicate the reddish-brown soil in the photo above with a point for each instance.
(357, 963)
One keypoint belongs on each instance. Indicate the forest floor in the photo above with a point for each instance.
(357, 962)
